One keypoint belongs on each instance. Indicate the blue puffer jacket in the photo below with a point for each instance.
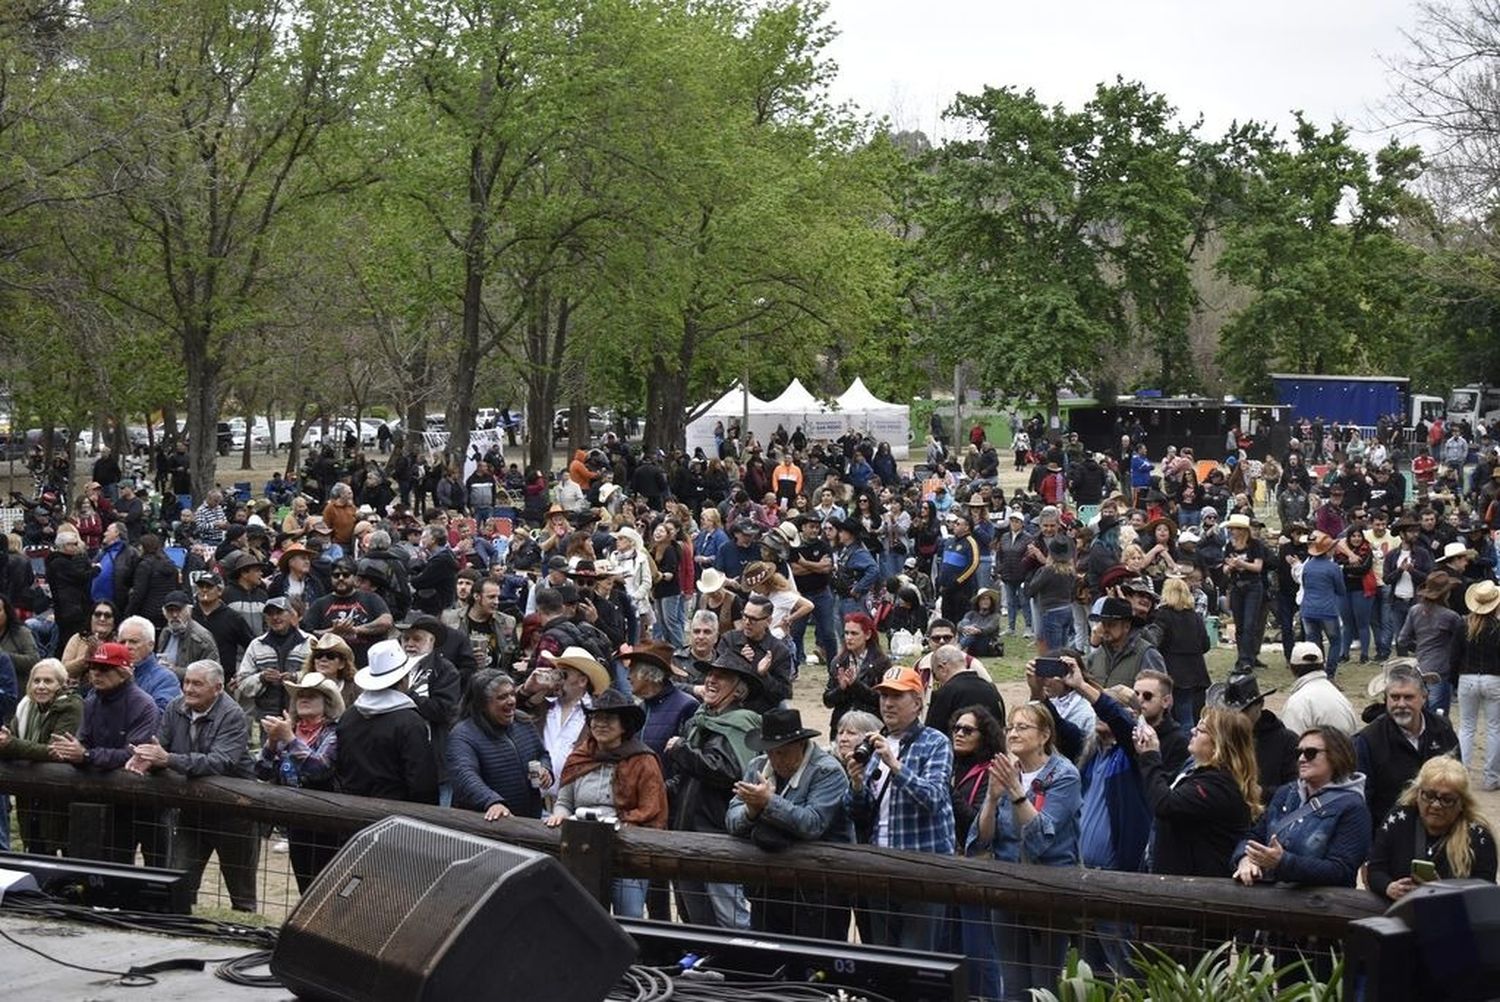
(1326, 844)
(1051, 837)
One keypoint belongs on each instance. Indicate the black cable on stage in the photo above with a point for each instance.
(235, 971)
(125, 979)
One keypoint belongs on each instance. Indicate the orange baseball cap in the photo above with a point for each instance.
(901, 679)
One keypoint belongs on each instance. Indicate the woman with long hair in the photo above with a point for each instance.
(1479, 679)
(1317, 828)
(16, 640)
(666, 592)
(1183, 644)
(854, 673)
(1030, 814)
(1357, 556)
(1052, 587)
(1436, 633)
(611, 769)
(1204, 811)
(301, 750)
(979, 629)
(1438, 820)
(977, 737)
(104, 619)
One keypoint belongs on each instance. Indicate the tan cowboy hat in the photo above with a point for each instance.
(1456, 549)
(1319, 544)
(294, 549)
(318, 682)
(330, 642)
(581, 660)
(1239, 520)
(711, 580)
(1482, 598)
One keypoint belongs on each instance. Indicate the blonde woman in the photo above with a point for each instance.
(633, 564)
(1203, 812)
(1437, 820)
(1183, 645)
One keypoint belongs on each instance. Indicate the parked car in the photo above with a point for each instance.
(599, 422)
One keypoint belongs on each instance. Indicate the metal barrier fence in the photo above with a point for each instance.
(861, 884)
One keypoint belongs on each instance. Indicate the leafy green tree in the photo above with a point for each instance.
(1315, 237)
(1052, 238)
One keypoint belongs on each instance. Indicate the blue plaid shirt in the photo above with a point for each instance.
(920, 816)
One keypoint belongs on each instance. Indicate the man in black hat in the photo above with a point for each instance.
(793, 791)
(855, 571)
(181, 641)
(743, 548)
(1122, 653)
(244, 589)
(230, 631)
(709, 757)
(1275, 744)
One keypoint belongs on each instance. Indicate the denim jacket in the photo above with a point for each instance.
(1051, 837)
(811, 808)
(1324, 845)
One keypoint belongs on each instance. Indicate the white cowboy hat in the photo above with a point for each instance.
(711, 580)
(387, 666)
(1239, 520)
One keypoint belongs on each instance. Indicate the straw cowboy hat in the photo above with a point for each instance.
(1482, 598)
(318, 682)
(581, 660)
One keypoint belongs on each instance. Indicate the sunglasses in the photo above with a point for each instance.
(341, 574)
(964, 730)
(327, 656)
(104, 614)
(1309, 754)
(756, 619)
(1430, 797)
(941, 638)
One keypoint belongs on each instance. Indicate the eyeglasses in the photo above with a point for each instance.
(104, 614)
(1447, 801)
(1309, 754)
(964, 730)
(1013, 728)
(755, 619)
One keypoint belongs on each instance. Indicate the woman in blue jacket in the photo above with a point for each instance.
(1317, 829)
(1030, 815)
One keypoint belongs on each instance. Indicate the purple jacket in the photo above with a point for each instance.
(115, 720)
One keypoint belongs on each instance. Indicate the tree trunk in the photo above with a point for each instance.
(666, 392)
(247, 451)
(168, 423)
(202, 411)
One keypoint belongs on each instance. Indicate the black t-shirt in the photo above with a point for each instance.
(1253, 551)
(812, 550)
(357, 608)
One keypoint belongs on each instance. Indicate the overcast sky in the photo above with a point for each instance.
(1224, 59)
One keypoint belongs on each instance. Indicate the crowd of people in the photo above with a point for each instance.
(624, 643)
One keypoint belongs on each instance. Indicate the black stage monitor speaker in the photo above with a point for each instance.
(409, 911)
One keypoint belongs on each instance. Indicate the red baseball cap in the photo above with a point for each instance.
(111, 656)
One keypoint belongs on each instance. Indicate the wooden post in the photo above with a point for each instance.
(86, 824)
(587, 852)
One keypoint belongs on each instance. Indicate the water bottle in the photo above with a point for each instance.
(288, 770)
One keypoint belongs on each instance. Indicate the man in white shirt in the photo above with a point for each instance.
(1314, 700)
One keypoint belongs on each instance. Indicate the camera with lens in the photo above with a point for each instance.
(863, 751)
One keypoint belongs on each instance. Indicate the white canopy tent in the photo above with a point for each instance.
(729, 407)
(796, 407)
(881, 420)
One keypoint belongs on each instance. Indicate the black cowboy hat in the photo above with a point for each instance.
(735, 664)
(778, 727)
(1237, 693)
(614, 701)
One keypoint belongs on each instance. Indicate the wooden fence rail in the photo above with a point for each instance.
(1060, 893)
